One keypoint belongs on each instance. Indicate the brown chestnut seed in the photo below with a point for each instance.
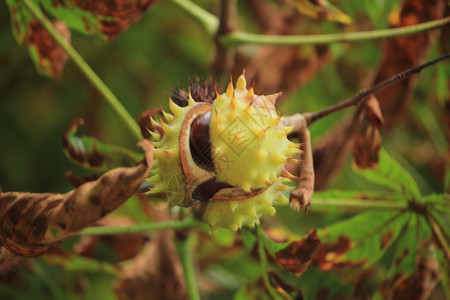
(206, 190)
(200, 143)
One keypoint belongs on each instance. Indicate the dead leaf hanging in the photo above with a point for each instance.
(32, 223)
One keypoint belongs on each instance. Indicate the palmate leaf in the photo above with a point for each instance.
(390, 174)
(370, 233)
(93, 154)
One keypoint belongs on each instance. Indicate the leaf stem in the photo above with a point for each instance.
(184, 224)
(264, 264)
(86, 70)
(239, 38)
(208, 21)
(184, 253)
(361, 204)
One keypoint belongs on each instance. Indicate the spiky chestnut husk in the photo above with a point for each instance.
(248, 149)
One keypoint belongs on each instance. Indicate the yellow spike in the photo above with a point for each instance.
(230, 90)
(218, 96)
(155, 179)
(233, 102)
(233, 205)
(286, 174)
(248, 109)
(191, 100)
(213, 229)
(251, 213)
(219, 118)
(263, 177)
(246, 186)
(282, 199)
(220, 128)
(167, 129)
(167, 116)
(274, 121)
(241, 83)
(250, 94)
(260, 133)
(158, 153)
(279, 158)
(267, 209)
(170, 152)
(288, 129)
(158, 188)
(261, 155)
(155, 135)
(175, 109)
(154, 123)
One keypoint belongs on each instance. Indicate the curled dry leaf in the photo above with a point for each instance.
(122, 13)
(296, 257)
(156, 273)
(51, 57)
(93, 154)
(366, 150)
(32, 223)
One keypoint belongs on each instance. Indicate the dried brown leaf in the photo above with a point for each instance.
(156, 273)
(32, 223)
(368, 141)
(123, 12)
(51, 56)
(416, 286)
(296, 257)
(328, 255)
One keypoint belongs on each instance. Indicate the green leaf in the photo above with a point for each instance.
(95, 155)
(371, 233)
(391, 175)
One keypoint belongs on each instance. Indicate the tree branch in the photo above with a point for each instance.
(362, 95)
(240, 38)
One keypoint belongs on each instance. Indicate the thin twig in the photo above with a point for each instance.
(184, 224)
(239, 38)
(224, 59)
(264, 264)
(208, 21)
(95, 80)
(185, 255)
(362, 95)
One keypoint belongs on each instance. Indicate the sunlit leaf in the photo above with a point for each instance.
(369, 233)
(390, 174)
(32, 223)
(93, 154)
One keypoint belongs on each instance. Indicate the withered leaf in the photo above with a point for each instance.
(416, 286)
(327, 256)
(32, 223)
(366, 150)
(93, 154)
(46, 54)
(106, 17)
(156, 273)
(296, 257)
